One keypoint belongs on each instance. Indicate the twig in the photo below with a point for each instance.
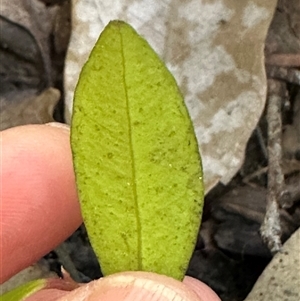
(257, 173)
(284, 59)
(261, 141)
(271, 228)
(64, 257)
(289, 75)
(293, 191)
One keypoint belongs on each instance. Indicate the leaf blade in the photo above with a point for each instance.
(115, 146)
(151, 179)
(22, 292)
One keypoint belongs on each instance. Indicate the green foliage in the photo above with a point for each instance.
(24, 291)
(136, 159)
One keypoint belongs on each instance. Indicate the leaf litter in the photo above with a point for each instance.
(230, 255)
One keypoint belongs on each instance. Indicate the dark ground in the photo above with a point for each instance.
(230, 253)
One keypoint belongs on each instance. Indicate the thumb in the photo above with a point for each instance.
(143, 286)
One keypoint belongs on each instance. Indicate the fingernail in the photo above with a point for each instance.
(59, 125)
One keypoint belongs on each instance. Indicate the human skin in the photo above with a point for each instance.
(40, 209)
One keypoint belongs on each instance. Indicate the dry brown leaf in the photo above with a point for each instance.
(215, 51)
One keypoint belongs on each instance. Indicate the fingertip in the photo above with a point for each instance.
(201, 289)
(134, 285)
(39, 206)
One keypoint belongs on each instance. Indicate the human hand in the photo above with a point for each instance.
(39, 209)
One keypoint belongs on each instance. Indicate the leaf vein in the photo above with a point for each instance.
(136, 205)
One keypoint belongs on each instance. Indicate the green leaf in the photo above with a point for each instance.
(24, 291)
(136, 158)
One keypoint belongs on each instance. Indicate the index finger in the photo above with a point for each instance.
(39, 206)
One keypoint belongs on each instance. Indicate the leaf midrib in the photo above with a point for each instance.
(136, 205)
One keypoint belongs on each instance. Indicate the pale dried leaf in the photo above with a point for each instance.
(280, 280)
(28, 108)
(215, 51)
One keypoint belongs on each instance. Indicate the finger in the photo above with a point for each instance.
(39, 206)
(136, 285)
(48, 295)
(201, 289)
